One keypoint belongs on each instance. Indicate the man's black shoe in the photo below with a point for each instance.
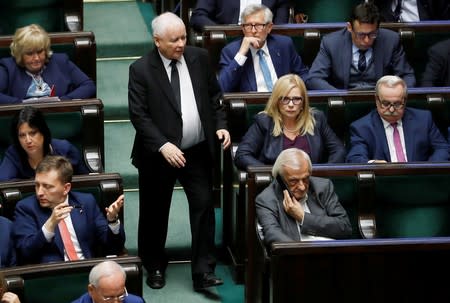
(206, 280)
(156, 279)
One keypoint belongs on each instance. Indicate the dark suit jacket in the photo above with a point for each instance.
(437, 70)
(153, 109)
(236, 78)
(212, 12)
(423, 140)
(12, 166)
(7, 250)
(68, 80)
(327, 218)
(259, 146)
(85, 298)
(428, 9)
(331, 67)
(89, 222)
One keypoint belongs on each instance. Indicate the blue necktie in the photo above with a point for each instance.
(265, 70)
(362, 60)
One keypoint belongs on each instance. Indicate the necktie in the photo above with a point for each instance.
(398, 144)
(265, 70)
(68, 244)
(362, 60)
(175, 82)
(398, 11)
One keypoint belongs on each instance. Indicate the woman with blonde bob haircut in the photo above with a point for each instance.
(288, 121)
(34, 72)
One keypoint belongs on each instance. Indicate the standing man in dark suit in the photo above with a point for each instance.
(393, 132)
(358, 55)
(241, 69)
(213, 12)
(437, 70)
(43, 220)
(299, 207)
(413, 10)
(173, 97)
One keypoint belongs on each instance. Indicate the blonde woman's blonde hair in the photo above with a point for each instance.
(27, 39)
(305, 120)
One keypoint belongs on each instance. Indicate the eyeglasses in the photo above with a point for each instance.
(248, 27)
(387, 104)
(120, 298)
(362, 36)
(286, 100)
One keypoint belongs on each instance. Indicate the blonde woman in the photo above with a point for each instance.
(288, 121)
(34, 71)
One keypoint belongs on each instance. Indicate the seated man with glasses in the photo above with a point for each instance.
(356, 56)
(288, 121)
(107, 285)
(394, 132)
(255, 61)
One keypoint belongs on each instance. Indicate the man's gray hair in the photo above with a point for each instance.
(291, 157)
(105, 269)
(255, 8)
(164, 21)
(391, 81)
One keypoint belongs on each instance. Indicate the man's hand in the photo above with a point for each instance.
(247, 42)
(224, 136)
(292, 207)
(173, 155)
(112, 212)
(9, 297)
(59, 212)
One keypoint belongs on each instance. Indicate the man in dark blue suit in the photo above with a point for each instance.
(394, 133)
(240, 61)
(358, 55)
(41, 219)
(413, 10)
(213, 12)
(7, 251)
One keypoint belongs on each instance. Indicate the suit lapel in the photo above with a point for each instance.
(380, 133)
(275, 56)
(408, 132)
(195, 70)
(347, 57)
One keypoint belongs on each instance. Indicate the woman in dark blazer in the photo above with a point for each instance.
(34, 71)
(288, 121)
(32, 141)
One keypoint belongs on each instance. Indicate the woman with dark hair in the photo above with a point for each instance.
(6, 296)
(32, 141)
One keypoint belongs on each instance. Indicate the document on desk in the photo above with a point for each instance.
(42, 99)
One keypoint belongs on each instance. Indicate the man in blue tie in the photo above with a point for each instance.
(255, 61)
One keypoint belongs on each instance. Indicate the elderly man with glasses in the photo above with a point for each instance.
(356, 56)
(107, 285)
(394, 132)
(255, 61)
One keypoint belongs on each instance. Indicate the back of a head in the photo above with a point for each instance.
(291, 157)
(60, 164)
(105, 269)
(365, 12)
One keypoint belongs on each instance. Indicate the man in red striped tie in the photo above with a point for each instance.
(57, 224)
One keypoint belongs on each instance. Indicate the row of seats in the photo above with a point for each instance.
(340, 107)
(400, 215)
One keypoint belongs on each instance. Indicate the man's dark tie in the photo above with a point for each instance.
(175, 82)
(362, 60)
(398, 11)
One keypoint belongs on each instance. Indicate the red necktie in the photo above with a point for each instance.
(68, 244)
(398, 144)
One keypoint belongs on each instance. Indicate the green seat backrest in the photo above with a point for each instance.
(326, 10)
(413, 205)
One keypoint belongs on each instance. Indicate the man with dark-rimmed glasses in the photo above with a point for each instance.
(393, 132)
(255, 61)
(107, 285)
(356, 56)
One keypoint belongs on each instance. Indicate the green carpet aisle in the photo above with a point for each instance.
(122, 32)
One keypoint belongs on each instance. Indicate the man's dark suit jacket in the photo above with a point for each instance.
(259, 146)
(7, 250)
(85, 298)
(331, 67)
(236, 78)
(423, 140)
(428, 10)
(213, 12)
(327, 218)
(69, 81)
(89, 222)
(155, 114)
(437, 70)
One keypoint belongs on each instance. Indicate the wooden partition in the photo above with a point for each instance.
(341, 108)
(79, 46)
